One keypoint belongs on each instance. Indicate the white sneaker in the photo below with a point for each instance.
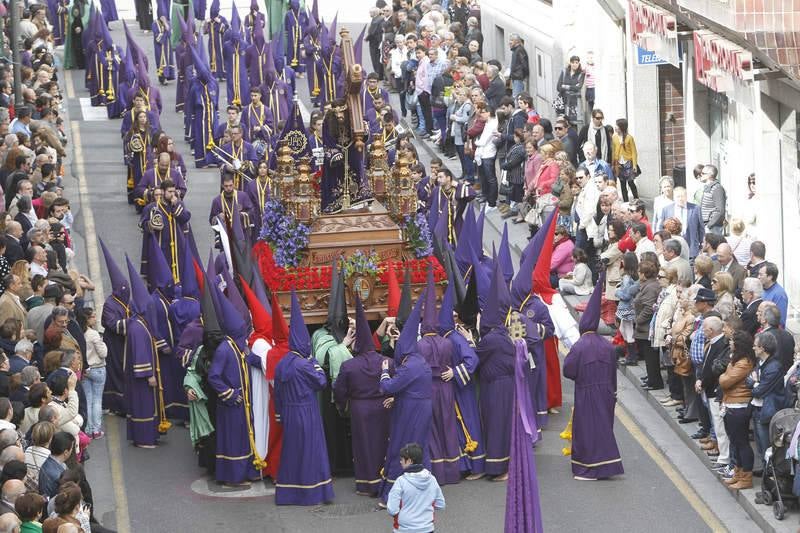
(490, 209)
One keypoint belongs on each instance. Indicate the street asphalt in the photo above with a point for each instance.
(163, 490)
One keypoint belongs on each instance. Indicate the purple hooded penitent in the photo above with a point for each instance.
(299, 339)
(120, 287)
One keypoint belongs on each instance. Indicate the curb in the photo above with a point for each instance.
(743, 497)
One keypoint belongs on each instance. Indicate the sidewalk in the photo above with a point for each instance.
(670, 438)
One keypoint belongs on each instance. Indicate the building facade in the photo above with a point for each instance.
(700, 81)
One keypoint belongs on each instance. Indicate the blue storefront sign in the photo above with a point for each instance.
(646, 57)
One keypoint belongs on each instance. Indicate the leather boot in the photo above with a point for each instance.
(704, 440)
(745, 481)
(737, 474)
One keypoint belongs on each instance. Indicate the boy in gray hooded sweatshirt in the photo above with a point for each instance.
(415, 495)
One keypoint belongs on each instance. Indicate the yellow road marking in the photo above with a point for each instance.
(93, 258)
(685, 489)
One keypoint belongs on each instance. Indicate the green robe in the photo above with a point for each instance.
(174, 21)
(199, 423)
(69, 57)
(276, 10)
(324, 346)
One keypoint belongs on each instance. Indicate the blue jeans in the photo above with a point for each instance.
(93, 383)
(517, 86)
(421, 118)
(467, 164)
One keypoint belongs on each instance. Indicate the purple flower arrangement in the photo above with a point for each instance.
(361, 263)
(418, 235)
(287, 238)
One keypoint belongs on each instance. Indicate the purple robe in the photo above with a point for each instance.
(293, 22)
(176, 405)
(109, 9)
(523, 509)
(114, 319)
(443, 444)
(140, 398)
(331, 77)
(185, 72)
(236, 80)
(333, 172)
(137, 162)
(228, 376)
(465, 361)
(172, 232)
(164, 53)
(258, 192)
(215, 29)
(535, 311)
(304, 475)
(115, 107)
(277, 95)
(496, 371)
(152, 179)
(411, 415)
(57, 13)
(201, 109)
(313, 69)
(256, 60)
(190, 339)
(95, 74)
(591, 364)
(261, 118)
(251, 22)
(245, 152)
(357, 389)
(240, 200)
(367, 98)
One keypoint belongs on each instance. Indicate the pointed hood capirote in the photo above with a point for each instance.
(262, 321)
(504, 256)
(392, 291)
(299, 339)
(404, 309)
(541, 274)
(446, 322)
(522, 285)
(429, 311)
(499, 301)
(363, 339)
(590, 319)
(407, 341)
(337, 322)
(233, 325)
(120, 287)
(208, 308)
(280, 330)
(156, 270)
(140, 301)
(214, 9)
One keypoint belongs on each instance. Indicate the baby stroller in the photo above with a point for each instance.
(779, 470)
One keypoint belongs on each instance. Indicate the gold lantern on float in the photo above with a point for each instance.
(285, 173)
(304, 204)
(378, 171)
(404, 194)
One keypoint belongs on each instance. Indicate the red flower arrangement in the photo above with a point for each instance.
(319, 277)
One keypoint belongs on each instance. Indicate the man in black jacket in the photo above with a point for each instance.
(717, 355)
(375, 38)
(519, 65)
(769, 316)
(496, 89)
(751, 296)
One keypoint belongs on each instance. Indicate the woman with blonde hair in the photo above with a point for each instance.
(723, 286)
(22, 269)
(739, 241)
(661, 326)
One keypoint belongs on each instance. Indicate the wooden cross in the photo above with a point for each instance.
(354, 76)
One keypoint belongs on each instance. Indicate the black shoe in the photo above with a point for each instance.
(648, 387)
(630, 362)
(700, 434)
(686, 420)
(758, 473)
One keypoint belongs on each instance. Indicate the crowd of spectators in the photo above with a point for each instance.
(51, 356)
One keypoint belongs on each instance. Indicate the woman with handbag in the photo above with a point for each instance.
(625, 156)
(458, 128)
(514, 169)
(678, 340)
(532, 164)
(542, 190)
(736, 397)
(569, 86)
